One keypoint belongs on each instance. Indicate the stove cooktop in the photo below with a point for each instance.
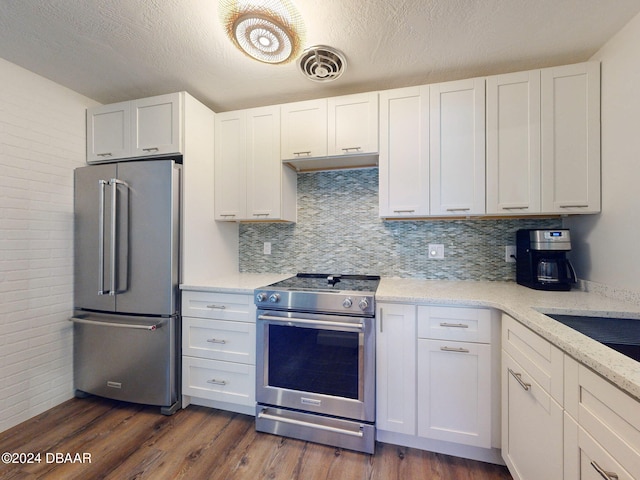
(328, 283)
(315, 292)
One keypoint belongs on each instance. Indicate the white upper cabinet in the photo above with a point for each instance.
(157, 125)
(304, 129)
(230, 173)
(140, 128)
(109, 132)
(404, 152)
(353, 124)
(513, 143)
(250, 181)
(571, 138)
(457, 137)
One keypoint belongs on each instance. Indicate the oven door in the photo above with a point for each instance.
(316, 363)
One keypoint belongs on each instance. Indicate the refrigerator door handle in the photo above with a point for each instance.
(101, 185)
(151, 328)
(114, 182)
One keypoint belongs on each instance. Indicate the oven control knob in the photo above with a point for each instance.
(261, 297)
(347, 303)
(274, 298)
(363, 304)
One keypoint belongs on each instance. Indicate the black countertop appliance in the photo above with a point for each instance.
(541, 259)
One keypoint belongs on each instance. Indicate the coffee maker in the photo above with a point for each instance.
(541, 260)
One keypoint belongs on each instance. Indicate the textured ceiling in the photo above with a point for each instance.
(114, 50)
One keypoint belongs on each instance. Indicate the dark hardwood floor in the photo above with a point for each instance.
(125, 441)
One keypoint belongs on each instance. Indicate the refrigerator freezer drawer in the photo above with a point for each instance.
(127, 358)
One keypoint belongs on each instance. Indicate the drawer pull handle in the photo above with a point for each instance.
(516, 207)
(574, 205)
(348, 149)
(150, 149)
(518, 377)
(218, 307)
(217, 382)
(403, 211)
(458, 209)
(107, 154)
(216, 340)
(454, 325)
(603, 473)
(306, 154)
(452, 349)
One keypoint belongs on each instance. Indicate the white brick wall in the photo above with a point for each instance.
(42, 139)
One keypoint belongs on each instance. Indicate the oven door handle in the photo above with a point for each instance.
(305, 321)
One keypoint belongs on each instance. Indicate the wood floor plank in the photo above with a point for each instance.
(128, 441)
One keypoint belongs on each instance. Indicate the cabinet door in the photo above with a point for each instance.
(109, 132)
(457, 160)
(353, 124)
(304, 129)
(157, 125)
(454, 392)
(264, 168)
(396, 368)
(230, 166)
(404, 152)
(513, 143)
(571, 139)
(532, 426)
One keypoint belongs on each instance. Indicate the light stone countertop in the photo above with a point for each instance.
(236, 283)
(523, 304)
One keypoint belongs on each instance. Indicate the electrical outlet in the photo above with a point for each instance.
(267, 248)
(510, 253)
(436, 250)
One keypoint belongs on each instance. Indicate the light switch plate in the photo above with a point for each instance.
(267, 248)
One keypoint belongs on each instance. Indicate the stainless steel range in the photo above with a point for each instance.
(315, 377)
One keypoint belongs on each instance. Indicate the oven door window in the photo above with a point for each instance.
(315, 360)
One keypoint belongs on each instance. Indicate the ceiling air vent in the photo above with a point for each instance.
(322, 63)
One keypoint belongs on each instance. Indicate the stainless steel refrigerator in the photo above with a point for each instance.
(126, 318)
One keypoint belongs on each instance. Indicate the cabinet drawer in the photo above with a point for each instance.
(543, 361)
(219, 340)
(609, 415)
(222, 306)
(455, 323)
(222, 381)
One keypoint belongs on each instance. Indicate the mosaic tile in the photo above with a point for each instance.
(339, 231)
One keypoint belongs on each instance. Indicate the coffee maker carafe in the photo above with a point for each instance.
(541, 260)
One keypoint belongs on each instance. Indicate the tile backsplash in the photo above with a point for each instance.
(339, 231)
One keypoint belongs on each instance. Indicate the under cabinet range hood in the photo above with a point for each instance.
(341, 162)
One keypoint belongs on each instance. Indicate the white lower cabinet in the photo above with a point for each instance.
(439, 394)
(532, 412)
(218, 351)
(602, 428)
(454, 392)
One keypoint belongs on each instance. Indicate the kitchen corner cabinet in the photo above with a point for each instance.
(218, 351)
(570, 112)
(543, 141)
(251, 184)
(457, 138)
(404, 152)
(140, 128)
(602, 427)
(532, 403)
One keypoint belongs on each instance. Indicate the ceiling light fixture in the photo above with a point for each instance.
(271, 31)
